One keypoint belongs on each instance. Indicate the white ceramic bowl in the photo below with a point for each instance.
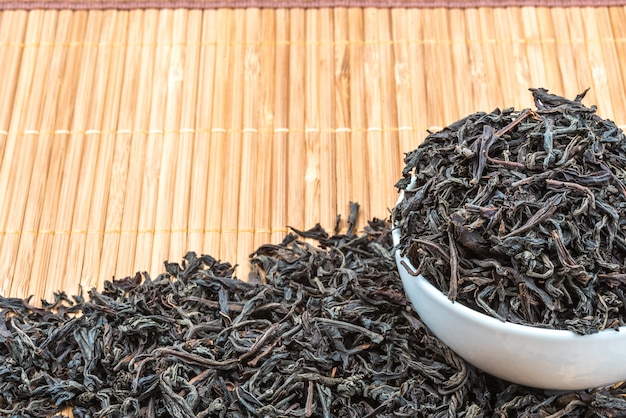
(537, 357)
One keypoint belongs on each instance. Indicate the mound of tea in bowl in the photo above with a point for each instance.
(521, 214)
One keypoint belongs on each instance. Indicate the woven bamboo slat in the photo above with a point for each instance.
(130, 137)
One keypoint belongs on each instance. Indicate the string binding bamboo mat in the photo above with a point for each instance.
(231, 4)
(129, 137)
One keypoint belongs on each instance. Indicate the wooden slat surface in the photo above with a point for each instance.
(131, 137)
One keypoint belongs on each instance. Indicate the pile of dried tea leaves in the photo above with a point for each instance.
(522, 214)
(319, 331)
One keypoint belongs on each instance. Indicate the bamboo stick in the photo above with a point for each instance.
(12, 149)
(156, 149)
(201, 149)
(279, 192)
(437, 56)
(565, 59)
(433, 71)
(467, 70)
(120, 211)
(422, 118)
(12, 32)
(328, 163)
(536, 64)
(140, 171)
(312, 122)
(190, 49)
(110, 165)
(248, 173)
(341, 116)
(592, 59)
(264, 201)
(94, 85)
(219, 138)
(359, 152)
(373, 105)
(296, 167)
(482, 77)
(610, 80)
(617, 17)
(604, 64)
(79, 86)
(32, 210)
(407, 133)
(548, 44)
(51, 179)
(172, 73)
(495, 96)
(574, 34)
(513, 65)
(233, 104)
(390, 156)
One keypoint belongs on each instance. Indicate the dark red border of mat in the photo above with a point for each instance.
(213, 4)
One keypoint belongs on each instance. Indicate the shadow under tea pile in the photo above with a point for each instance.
(522, 214)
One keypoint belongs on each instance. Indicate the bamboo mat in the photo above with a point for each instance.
(206, 4)
(128, 138)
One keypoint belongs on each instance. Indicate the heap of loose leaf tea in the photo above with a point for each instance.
(330, 334)
(521, 214)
